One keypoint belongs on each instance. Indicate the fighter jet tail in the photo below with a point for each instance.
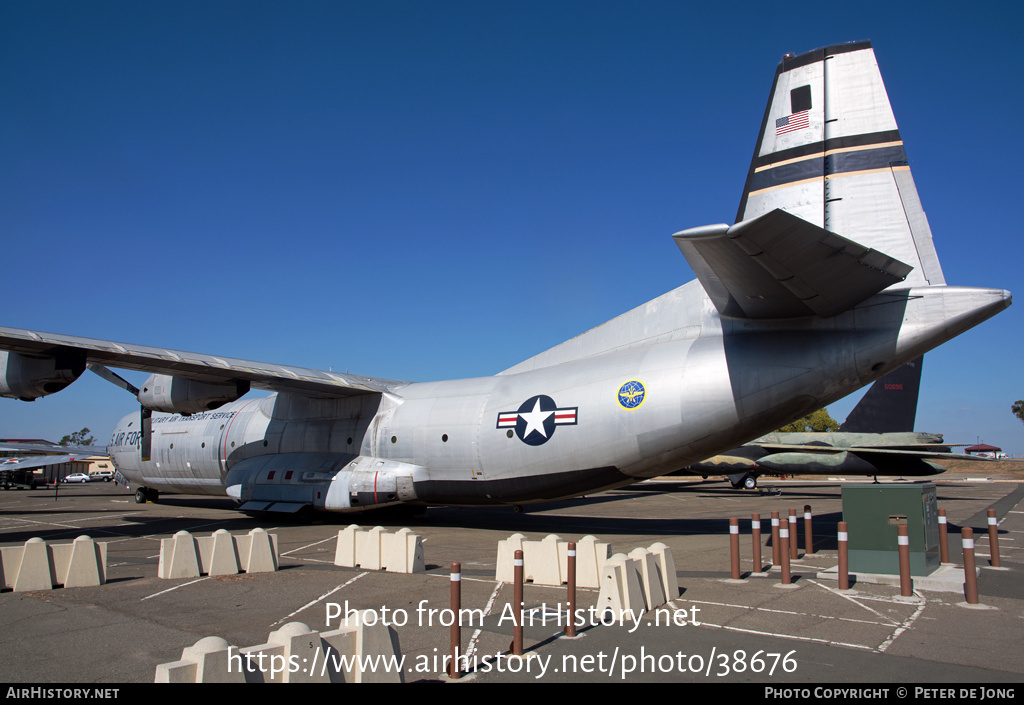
(890, 405)
(829, 151)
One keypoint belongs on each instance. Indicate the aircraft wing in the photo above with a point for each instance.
(778, 265)
(938, 449)
(36, 461)
(195, 366)
(52, 450)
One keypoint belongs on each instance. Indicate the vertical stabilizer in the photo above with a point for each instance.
(890, 405)
(830, 152)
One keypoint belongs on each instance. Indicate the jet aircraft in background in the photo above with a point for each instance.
(827, 281)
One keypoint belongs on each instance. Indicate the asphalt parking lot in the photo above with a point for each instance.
(715, 630)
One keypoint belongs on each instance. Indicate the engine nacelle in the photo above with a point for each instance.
(29, 377)
(180, 395)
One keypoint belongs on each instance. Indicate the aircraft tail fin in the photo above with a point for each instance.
(830, 152)
(890, 405)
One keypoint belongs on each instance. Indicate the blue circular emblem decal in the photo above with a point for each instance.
(632, 394)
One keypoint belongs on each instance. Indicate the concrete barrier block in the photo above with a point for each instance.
(540, 560)
(179, 557)
(504, 571)
(223, 558)
(302, 653)
(546, 562)
(402, 552)
(264, 663)
(187, 556)
(214, 663)
(339, 645)
(79, 564)
(667, 569)
(295, 654)
(620, 592)
(60, 556)
(10, 557)
(372, 638)
(260, 553)
(176, 672)
(87, 565)
(650, 578)
(35, 569)
(345, 553)
(368, 548)
(591, 554)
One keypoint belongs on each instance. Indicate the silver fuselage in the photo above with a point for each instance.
(710, 383)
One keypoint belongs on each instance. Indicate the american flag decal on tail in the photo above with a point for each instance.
(792, 123)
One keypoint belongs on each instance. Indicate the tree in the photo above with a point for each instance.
(1018, 409)
(78, 438)
(819, 421)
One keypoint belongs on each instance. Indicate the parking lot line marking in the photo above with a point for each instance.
(854, 600)
(887, 623)
(903, 627)
(788, 636)
(322, 597)
(162, 592)
(471, 647)
(302, 548)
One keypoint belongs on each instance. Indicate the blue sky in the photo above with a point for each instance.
(432, 190)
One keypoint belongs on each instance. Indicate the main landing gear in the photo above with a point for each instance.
(144, 494)
(746, 481)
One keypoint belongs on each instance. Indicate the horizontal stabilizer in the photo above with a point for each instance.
(778, 265)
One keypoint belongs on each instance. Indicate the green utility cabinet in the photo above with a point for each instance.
(872, 513)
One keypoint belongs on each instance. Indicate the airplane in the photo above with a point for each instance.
(877, 438)
(827, 281)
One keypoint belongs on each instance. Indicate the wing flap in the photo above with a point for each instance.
(197, 366)
(778, 265)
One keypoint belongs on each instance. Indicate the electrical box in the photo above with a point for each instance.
(872, 513)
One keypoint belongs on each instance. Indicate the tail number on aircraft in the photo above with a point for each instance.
(535, 420)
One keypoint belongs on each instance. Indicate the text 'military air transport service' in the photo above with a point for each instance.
(827, 281)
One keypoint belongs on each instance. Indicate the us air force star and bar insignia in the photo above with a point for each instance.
(535, 421)
(632, 394)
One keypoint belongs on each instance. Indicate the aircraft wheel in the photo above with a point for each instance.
(750, 482)
(140, 496)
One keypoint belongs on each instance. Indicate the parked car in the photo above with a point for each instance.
(104, 475)
(77, 477)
